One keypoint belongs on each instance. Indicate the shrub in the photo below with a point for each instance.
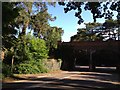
(37, 48)
(6, 70)
(28, 56)
(32, 67)
(31, 49)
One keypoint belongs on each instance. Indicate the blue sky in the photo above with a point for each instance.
(68, 22)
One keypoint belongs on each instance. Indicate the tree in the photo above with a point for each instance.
(85, 35)
(98, 31)
(33, 15)
(89, 33)
(8, 24)
(52, 36)
(98, 9)
(24, 16)
(91, 26)
(80, 36)
(112, 26)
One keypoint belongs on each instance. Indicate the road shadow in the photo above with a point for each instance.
(56, 84)
(77, 80)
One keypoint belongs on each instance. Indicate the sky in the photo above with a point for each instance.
(68, 22)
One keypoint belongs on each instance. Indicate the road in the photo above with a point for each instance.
(68, 80)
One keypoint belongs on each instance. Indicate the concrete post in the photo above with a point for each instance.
(91, 63)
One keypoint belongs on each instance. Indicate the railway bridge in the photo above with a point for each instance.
(95, 53)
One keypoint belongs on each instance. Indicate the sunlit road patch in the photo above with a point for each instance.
(65, 80)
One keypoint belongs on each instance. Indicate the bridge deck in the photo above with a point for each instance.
(93, 45)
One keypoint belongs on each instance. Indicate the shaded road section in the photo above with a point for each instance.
(68, 80)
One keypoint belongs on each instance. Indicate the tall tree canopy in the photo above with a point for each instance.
(33, 15)
(8, 23)
(98, 31)
(98, 9)
(88, 33)
(53, 36)
(24, 52)
(29, 16)
(23, 16)
(112, 26)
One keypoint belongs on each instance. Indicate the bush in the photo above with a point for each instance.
(31, 49)
(32, 67)
(31, 53)
(6, 70)
(28, 56)
(37, 48)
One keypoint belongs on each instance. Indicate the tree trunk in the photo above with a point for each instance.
(12, 63)
(25, 27)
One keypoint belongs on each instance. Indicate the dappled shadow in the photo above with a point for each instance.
(56, 84)
(105, 70)
(17, 78)
(75, 81)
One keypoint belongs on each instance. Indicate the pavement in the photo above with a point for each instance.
(105, 79)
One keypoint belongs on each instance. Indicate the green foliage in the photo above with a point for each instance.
(53, 35)
(35, 19)
(98, 31)
(37, 48)
(8, 24)
(31, 48)
(92, 25)
(29, 54)
(6, 70)
(32, 67)
(21, 52)
(111, 23)
(8, 56)
(98, 9)
(83, 35)
(25, 53)
(8, 20)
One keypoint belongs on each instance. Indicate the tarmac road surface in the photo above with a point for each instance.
(68, 80)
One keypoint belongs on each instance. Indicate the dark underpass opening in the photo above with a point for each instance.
(101, 59)
(94, 55)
